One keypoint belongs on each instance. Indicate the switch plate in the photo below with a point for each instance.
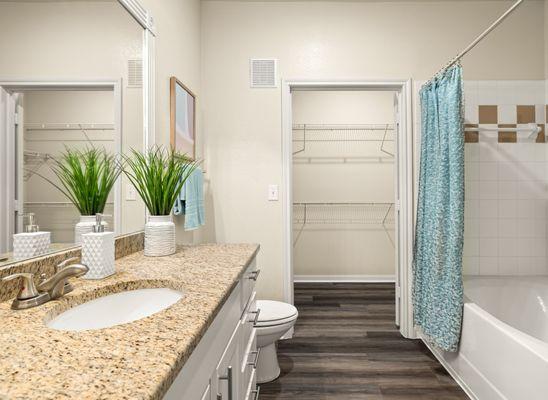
(131, 193)
(272, 192)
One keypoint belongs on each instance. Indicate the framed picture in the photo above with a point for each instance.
(183, 118)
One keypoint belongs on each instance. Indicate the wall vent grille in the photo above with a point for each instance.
(135, 73)
(263, 73)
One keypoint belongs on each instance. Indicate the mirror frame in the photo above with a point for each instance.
(143, 17)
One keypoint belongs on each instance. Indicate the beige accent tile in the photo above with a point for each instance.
(488, 114)
(506, 136)
(471, 137)
(526, 114)
(541, 135)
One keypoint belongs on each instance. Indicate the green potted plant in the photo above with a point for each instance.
(86, 178)
(158, 175)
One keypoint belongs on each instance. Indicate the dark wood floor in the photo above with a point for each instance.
(346, 346)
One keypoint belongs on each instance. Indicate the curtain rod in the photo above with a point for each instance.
(478, 39)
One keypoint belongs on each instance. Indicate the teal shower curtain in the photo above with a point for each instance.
(437, 265)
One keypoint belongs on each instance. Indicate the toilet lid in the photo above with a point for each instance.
(275, 312)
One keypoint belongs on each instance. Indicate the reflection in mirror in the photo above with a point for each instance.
(71, 79)
(88, 122)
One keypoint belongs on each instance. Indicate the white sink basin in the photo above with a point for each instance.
(115, 309)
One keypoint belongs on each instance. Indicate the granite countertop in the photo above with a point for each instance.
(138, 360)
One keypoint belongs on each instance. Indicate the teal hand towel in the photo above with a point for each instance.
(190, 201)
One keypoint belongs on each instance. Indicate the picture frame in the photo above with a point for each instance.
(182, 118)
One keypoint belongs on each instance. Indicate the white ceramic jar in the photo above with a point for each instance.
(159, 236)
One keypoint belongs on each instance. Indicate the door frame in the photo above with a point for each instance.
(114, 85)
(404, 205)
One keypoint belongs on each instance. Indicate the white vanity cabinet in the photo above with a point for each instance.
(222, 366)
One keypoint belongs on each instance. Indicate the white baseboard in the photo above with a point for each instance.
(344, 278)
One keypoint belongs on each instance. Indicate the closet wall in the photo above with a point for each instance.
(338, 240)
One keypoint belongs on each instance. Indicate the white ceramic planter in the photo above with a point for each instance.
(85, 226)
(159, 236)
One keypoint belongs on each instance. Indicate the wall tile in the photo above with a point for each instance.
(489, 265)
(489, 171)
(508, 265)
(508, 190)
(471, 208)
(507, 114)
(506, 179)
(507, 136)
(471, 115)
(525, 114)
(471, 228)
(507, 227)
(471, 136)
(489, 190)
(471, 247)
(508, 209)
(540, 113)
(489, 247)
(507, 247)
(508, 171)
(471, 265)
(471, 153)
(541, 137)
(488, 92)
(488, 151)
(489, 228)
(488, 114)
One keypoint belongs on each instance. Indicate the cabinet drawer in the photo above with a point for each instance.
(227, 378)
(249, 280)
(252, 391)
(249, 364)
(207, 393)
(248, 319)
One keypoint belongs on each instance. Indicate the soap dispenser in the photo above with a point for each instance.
(32, 242)
(98, 251)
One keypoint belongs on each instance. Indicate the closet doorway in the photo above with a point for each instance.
(348, 186)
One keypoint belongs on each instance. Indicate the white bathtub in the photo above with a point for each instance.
(504, 346)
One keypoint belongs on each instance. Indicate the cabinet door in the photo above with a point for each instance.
(225, 383)
(207, 394)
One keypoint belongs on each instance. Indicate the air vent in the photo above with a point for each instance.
(135, 73)
(263, 73)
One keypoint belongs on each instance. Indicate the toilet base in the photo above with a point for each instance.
(268, 368)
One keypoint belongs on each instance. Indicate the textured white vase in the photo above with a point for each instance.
(86, 224)
(159, 236)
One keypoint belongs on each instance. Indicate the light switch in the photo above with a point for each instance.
(131, 193)
(272, 192)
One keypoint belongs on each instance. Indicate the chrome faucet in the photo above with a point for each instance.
(56, 286)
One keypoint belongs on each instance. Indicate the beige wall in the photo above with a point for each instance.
(350, 171)
(77, 41)
(327, 40)
(178, 54)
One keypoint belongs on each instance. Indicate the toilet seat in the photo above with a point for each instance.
(275, 313)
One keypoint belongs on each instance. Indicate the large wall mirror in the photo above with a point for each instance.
(74, 76)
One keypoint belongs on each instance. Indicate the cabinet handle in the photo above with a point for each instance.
(254, 275)
(256, 319)
(228, 378)
(256, 391)
(254, 363)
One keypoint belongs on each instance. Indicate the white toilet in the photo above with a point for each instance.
(275, 319)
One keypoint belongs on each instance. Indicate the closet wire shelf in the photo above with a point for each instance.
(368, 214)
(310, 133)
(343, 213)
